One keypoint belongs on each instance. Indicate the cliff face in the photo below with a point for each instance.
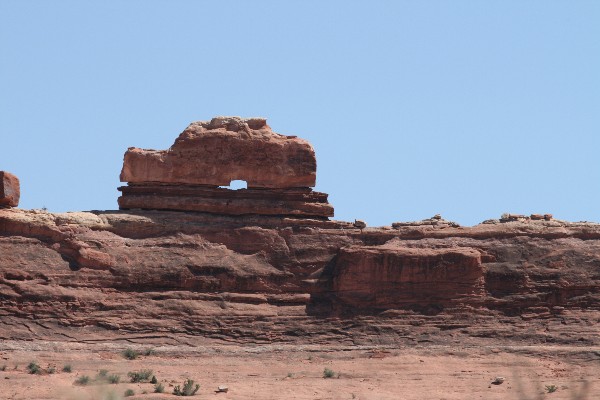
(261, 278)
(266, 264)
(393, 276)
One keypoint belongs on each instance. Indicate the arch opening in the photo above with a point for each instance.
(236, 184)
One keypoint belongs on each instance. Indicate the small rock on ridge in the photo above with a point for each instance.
(10, 191)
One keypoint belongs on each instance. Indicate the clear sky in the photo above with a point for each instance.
(465, 108)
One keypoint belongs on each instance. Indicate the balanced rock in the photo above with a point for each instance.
(279, 171)
(10, 191)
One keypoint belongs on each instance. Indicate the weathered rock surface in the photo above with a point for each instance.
(391, 276)
(265, 264)
(224, 149)
(279, 171)
(10, 191)
(258, 279)
(294, 202)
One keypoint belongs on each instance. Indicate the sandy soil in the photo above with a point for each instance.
(268, 372)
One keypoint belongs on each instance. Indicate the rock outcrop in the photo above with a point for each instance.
(265, 264)
(10, 191)
(224, 149)
(392, 276)
(279, 171)
(261, 279)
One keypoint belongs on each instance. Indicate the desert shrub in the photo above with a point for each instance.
(113, 379)
(67, 368)
(51, 370)
(82, 380)
(189, 389)
(328, 373)
(551, 388)
(149, 352)
(103, 373)
(140, 376)
(34, 368)
(3, 368)
(159, 388)
(153, 380)
(129, 392)
(130, 353)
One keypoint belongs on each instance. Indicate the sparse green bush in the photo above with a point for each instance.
(67, 368)
(149, 352)
(129, 393)
(34, 368)
(159, 388)
(130, 354)
(113, 379)
(189, 389)
(82, 380)
(551, 388)
(103, 373)
(140, 376)
(328, 373)
(153, 380)
(290, 375)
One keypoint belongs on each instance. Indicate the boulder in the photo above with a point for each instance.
(10, 191)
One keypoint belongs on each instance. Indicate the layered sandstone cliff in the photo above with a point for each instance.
(186, 260)
(259, 278)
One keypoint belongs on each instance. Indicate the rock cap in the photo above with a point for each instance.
(224, 149)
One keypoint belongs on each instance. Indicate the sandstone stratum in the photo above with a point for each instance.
(186, 260)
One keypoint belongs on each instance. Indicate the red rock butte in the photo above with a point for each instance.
(279, 171)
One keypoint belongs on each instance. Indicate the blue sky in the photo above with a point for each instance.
(465, 108)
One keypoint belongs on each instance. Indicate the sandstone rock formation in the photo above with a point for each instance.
(393, 276)
(10, 191)
(261, 279)
(265, 264)
(278, 169)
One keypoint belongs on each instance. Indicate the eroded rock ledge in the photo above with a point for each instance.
(256, 278)
(279, 171)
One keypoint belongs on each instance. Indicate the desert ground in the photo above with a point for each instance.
(422, 371)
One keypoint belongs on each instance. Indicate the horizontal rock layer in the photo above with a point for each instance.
(10, 191)
(224, 149)
(292, 202)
